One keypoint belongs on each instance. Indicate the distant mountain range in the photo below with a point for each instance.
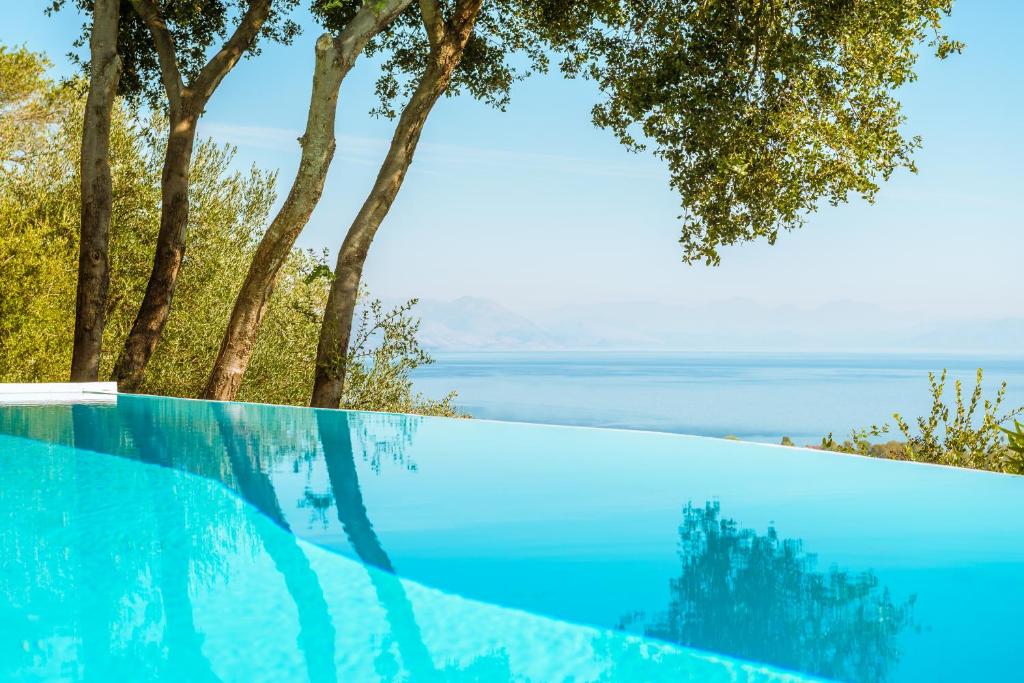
(477, 324)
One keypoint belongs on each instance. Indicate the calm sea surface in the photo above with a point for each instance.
(758, 397)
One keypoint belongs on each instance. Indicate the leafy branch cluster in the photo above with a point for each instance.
(383, 351)
(761, 109)
(194, 27)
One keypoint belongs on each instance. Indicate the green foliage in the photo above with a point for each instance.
(382, 352)
(335, 15)
(786, 441)
(196, 27)
(24, 105)
(508, 44)
(955, 435)
(39, 217)
(760, 108)
(1015, 445)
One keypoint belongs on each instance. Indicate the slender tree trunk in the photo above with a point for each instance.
(97, 193)
(170, 251)
(186, 106)
(334, 59)
(336, 330)
(318, 146)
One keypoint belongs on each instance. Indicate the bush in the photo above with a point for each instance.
(1015, 444)
(949, 435)
(40, 138)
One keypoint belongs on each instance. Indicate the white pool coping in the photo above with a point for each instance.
(58, 392)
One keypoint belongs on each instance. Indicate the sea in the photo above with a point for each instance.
(750, 396)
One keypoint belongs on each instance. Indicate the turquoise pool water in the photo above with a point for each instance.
(185, 540)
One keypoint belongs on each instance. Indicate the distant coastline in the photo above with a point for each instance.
(758, 396)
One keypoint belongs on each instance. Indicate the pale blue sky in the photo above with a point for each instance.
(535, 207)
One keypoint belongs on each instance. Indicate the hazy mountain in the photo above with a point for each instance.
(990, 335)
(476, 324)
(470, 323)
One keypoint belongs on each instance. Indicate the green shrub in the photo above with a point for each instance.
(39, 222)
(955, 435)
(1015, 445)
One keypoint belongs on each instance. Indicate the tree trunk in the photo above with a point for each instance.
(336, 330)
(334, 59)
(186, 106)
(97, 193)
(170, 251)
(318, 146)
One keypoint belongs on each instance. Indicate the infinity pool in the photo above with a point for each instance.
(184, 540)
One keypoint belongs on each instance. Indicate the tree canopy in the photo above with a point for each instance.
(194, 25)
(761, 109)
(507, 45)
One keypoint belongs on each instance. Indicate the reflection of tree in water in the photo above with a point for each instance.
(238, 446)
(181, 639)
(387, 436)
(373, 438)
(244, 451)
(759, 597)
(405, 638)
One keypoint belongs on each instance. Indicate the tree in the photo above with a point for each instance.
(488, 78)
(334, 59)
(96, 188)
(186, 102)
(436, 50)
(448, 37)
(480, 67)
(760, 109)
(163, 46)
(40, 137)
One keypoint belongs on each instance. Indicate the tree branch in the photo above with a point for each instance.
(367, 22)
(221, 63)
(433, 21)
(163, 41)
(464, 18)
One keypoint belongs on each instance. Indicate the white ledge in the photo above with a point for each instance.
(59, 392)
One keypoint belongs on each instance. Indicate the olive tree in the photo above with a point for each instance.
(96, 189)
(352, 26)
(466, 45)
(760, 108)
(448, 35)
(163, 47)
